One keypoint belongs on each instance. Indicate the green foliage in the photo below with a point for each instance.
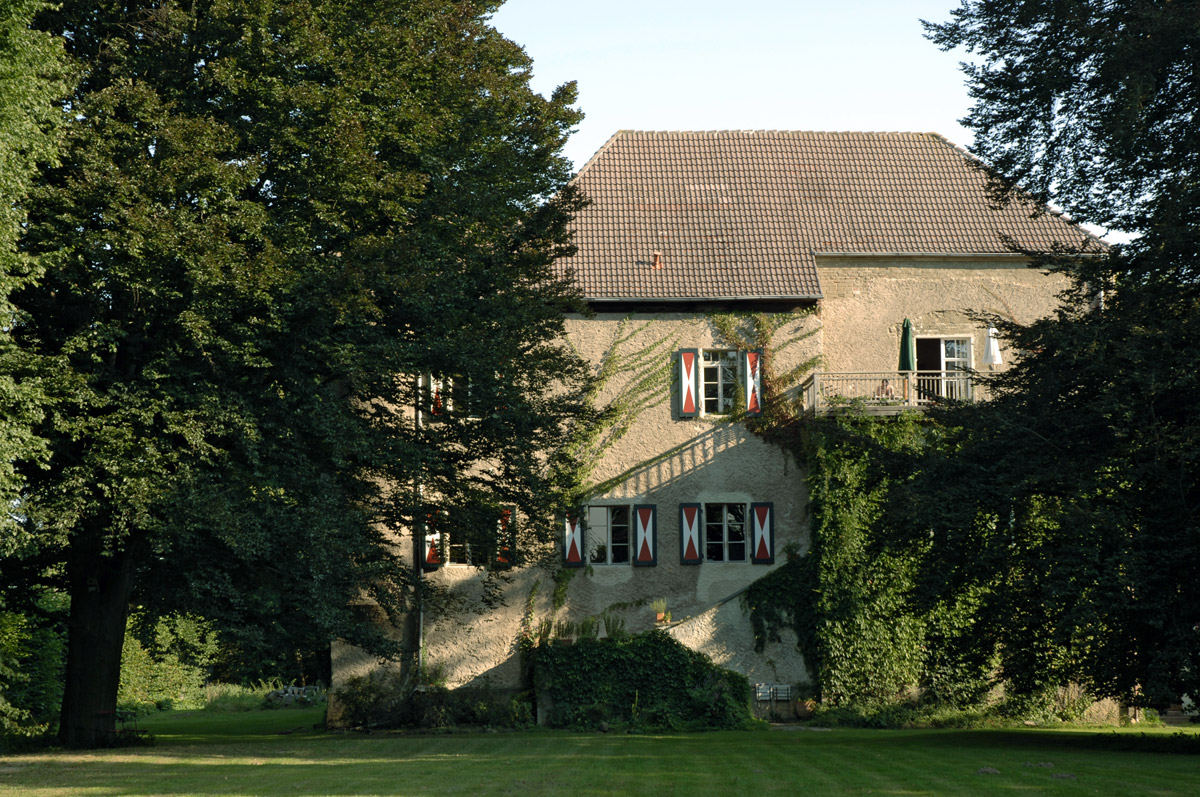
(644, 682)
(1070, 499)
(33, 77)
(1089, 105)
(31, 662)
(155, 677)
(267, 220)
(869, 646)
(232, 698)
(380, 700)
(849, 599)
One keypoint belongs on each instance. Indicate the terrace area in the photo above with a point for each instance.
(885, 392)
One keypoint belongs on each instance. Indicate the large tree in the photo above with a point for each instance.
(271, 217)
(1071, 500)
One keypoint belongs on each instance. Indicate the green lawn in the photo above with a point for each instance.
(276, 752)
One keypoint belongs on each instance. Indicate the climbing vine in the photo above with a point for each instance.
(780, 407)
(633, 376)
(849, 599)
(638, 364)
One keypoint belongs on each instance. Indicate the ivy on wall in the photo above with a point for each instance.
(850, 598)
(633, 376)
(780, 407)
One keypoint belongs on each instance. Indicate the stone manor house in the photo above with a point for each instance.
(851, 234)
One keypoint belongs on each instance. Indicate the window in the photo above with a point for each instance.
(719, 378)
(448, 543)
(725, 532)
(944, 368)
(460, 551)
(608, 529)
(448, 395)
(708, 382)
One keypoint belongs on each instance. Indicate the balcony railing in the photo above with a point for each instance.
(885, 392)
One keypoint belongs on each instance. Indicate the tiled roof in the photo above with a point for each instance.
(743, 213)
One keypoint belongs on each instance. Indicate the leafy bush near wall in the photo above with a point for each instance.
(850, 599)
(383, 700)
(646, 682)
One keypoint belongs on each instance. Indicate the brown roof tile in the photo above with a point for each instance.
(742, 213)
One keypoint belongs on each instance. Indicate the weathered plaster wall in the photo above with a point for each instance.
(663, 460)
(867, 299)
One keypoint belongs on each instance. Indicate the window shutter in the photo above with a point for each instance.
(506, 538)
(689, 534)
(763, 538)
(752, 387)
(432, 547)
(573, 542)
(689, 383)
(645, 535)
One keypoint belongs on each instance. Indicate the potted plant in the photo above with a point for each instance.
(660, 609)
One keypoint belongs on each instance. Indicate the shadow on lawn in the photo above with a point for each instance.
(1126, 741)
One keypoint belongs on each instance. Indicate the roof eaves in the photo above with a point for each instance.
(940, 255)
(746, 298)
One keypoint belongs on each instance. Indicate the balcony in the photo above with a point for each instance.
(885, 392)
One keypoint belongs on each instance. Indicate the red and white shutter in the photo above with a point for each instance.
(689, 383)
(506, 538)
(689, 534)
(752, 373)
(432, 546)
(573, 542)
(763, 535)
(645, 535)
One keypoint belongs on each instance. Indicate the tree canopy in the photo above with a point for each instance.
(269, 221)
(1071, 499)
(33, 78)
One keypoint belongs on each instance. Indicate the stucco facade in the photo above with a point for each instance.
(664, 461)
(866, 300)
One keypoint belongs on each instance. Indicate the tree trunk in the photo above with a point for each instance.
(100, 584)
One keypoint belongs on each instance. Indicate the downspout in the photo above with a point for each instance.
(418, 527)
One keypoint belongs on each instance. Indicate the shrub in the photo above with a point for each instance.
(647, 682)
(152, 683)
(380, 700)
(31, 675)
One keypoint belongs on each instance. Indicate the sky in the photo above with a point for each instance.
(748, 65)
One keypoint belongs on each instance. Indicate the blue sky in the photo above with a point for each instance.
(757, 64)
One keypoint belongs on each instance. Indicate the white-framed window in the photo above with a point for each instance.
(609, 533)
(725, 532)
(448, 395)
(448, 543)
(460, 551)
(718, 380)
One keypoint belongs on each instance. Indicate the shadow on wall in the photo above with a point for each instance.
(688, 459)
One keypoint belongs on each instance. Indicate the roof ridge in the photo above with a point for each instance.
(779, 131)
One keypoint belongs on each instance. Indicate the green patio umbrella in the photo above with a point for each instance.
(908, 348)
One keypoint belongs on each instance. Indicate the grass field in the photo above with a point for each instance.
(276, 752)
